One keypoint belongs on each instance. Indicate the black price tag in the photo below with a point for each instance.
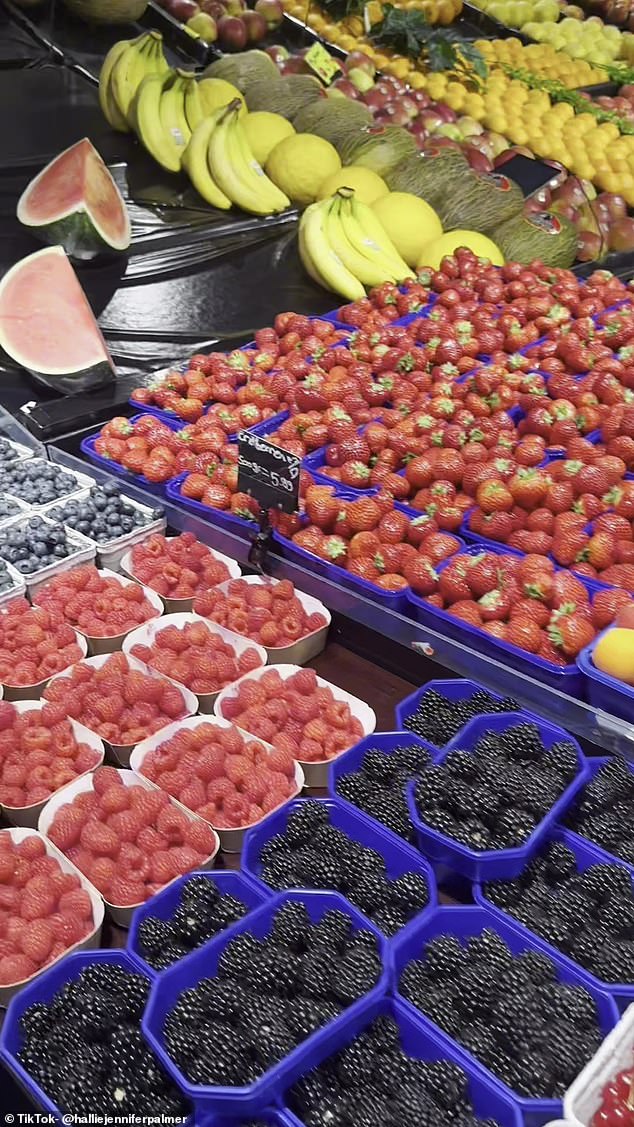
(268, 473)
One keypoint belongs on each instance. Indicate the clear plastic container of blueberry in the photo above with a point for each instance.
(38, 482)
(38, 548)
(109, 518)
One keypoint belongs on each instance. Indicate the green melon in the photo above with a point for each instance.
(47, 325)
(74, 202)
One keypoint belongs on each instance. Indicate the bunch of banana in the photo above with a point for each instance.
(222, 167)
(344, 248)
(124, 68)
(159, 118)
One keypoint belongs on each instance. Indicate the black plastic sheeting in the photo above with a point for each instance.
(194, 277)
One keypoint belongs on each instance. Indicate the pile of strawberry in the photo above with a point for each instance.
(294, 714)
(128, 840)
(371, 539)
(268, 612)
(524, 601)
(228, 779)
(35, 643)
(120, 703)
(196, 656)
(179, 567)
(603, 550)
(617, 433)
(98, 605)
(38, 754)
(385, 303)
(43, 910)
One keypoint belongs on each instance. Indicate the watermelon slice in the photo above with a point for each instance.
(47, 325)
(75, 202)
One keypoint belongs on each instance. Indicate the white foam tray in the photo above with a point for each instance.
(583, 1097)
(304, 649)
(316, 774)
(230, 839)
(109, 645)
(93, 938)
(173, 606)
(28, 815)
(121, 915)
(145, 635)
(84, 551)
(122, 752)
(111, 552)
(84, 481)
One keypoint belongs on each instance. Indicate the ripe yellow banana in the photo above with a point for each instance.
(320, 259)
(172, 109)
(365, 231)
(194, 111)
(369, 267)
(195, 163)
(109, 108)
(130, 69)
(236, 171)
(145, 114)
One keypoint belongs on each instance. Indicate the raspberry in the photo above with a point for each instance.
(237, 769)
(173, 823)
(150, 840)
(231, 740)
(104, 778)
(235, 812)
(37, 905)
(172, 702)
(101, 872)
(7, 866)
(304, 681)
(76, 903)
(210, 764)
(282, 760)
(147, 804)
(219, 789)
(99, 839)
(124, 891)
(184, 858)
(37, 940)
(15, 968)
(66, 828)
(201, 838)
(162, 867)
(125, 825)
(193, 795)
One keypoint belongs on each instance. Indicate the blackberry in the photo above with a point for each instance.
(239, 955)
(355, 974)
(439, 719)
(333, 930)
(304, 821)
(292, 926)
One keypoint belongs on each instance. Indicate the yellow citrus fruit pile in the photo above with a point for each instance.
(541, 59)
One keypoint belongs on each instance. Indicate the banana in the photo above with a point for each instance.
(145, 114)
(370, 268)
(172, 109)
(236, 171)
(320, 259)
(368, 235)
(129, 70)
(109, 108)
(194, 111)
(195, 163)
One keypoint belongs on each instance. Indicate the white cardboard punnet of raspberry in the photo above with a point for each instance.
(110, 643)
(583, 1097)
(34, 692)
(121, 914)
(315, 772)
(91, 940)
(122, 752)
(304, 649)
(230, 839)
(28, 815)
(146, 634)
(174, 606)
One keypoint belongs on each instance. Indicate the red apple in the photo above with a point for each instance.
(277, 52)
(614, 205)
(348, 88)
(589, 246)
(183, 10)
(374, 99)
(232, 33)
(622, 234)
(357, 59)
(214, 9)
(477, 159)
(431, 119)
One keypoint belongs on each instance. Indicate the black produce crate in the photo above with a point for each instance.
(487, 27)
(601, 90)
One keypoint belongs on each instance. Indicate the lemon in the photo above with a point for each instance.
(300, 164)
(614, 654)
(410, 223)
(433, 254)
(264, 131)
(367, 184)
(215, 92)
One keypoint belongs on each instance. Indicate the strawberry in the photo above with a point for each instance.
(569, 631)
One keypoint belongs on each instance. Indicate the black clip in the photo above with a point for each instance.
(258, 552)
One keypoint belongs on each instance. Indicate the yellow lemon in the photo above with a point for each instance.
(264, 131)
(614, 654)
(300, 164)
(433, 254)
(368, 186)
(410, 223)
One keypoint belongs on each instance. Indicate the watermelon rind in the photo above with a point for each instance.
(76, 228)
(96, 368)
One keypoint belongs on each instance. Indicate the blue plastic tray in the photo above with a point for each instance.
(399, 857)
(494, 864)
(623, 993)
(600, 852)
(44, 989)
(223, 518)
(465, 922)
(203, 963)
(566, 678)
(454, 689)
(164, 904)
(422, 1042)
(87, 447)
(603, 691)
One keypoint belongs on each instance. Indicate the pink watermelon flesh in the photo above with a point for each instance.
(75, 201)
(46, 323)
